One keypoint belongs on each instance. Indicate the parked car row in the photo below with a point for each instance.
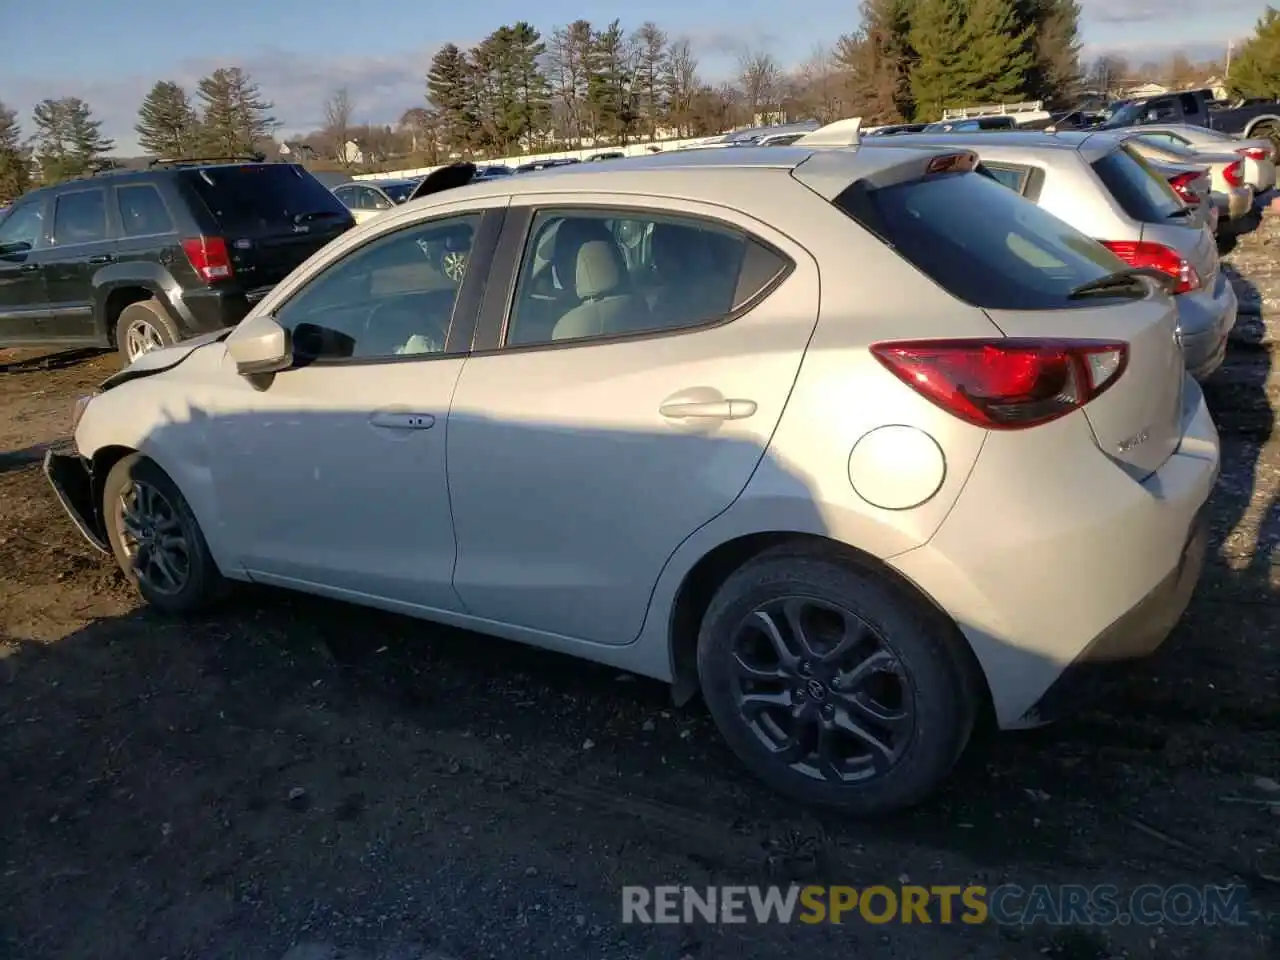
(138, 260)
(738, 420)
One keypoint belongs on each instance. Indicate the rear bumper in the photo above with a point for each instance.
(213, 308)
(72, 482)
(1205, 318)
(1136, 634)
(1086, 564)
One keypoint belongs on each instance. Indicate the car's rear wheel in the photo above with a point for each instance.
(834, 686)
(143, 327)
(156, 540)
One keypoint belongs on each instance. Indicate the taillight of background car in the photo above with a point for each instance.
(1009, 383)
(209, 258)
(1233, 173)
(1182, 186)
(1254, 153)
(1141, 253)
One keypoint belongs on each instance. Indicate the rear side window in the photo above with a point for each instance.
(1141, 192)
(1015, 178)
(980, 241)
(142, 211)
(263, 197)
(80, 217)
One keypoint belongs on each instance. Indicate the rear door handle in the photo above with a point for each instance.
(103, 258)
(708, 409)
(29, 268)
(399, 420)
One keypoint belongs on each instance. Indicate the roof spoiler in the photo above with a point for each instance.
(446, 178)
(842, 133)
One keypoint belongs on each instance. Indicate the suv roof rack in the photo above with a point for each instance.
(255, 157)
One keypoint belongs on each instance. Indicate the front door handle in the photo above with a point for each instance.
(400, 420)
(29, 268)
(103, 258)
(708, 409)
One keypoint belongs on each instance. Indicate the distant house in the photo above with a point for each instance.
(352, 153)
(1142, 90)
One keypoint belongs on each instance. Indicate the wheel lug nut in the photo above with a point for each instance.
(828, 711)
(806, 668)
(801, 693)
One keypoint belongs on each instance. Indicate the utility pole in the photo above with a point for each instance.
(1226, 71)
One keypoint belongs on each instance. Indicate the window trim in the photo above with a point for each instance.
(51, 233)
(466, 306)
(145, 185)
(495, 314)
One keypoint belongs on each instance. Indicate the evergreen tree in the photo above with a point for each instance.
(609, 84)
(1255, 71)
(167, 124)
(1055, 74)
(15, 163)
(450, 91)
(996, 54)
(235, 118)
(650, 42)
(877, 60)
(937, 73)
(69, 142)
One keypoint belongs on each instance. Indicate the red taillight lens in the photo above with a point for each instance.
(1138, 253)
(1254, 153)
(1233, 173)
(1006, 384)
(1182, 186)
(209, 257)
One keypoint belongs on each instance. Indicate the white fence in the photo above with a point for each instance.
(631, 150)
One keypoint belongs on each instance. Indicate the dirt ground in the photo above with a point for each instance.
(300, 778)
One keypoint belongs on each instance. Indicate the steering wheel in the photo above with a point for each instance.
(414, 332)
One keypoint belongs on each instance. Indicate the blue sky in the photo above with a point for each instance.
(301, 51)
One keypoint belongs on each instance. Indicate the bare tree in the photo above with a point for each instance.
(758, 76)
(680, 84)
(338, 111)
(822, 84)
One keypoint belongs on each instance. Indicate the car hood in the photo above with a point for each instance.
(166, 358)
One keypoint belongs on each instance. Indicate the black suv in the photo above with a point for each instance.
(142, 259)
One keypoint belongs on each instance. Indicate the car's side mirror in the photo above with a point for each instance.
(260, 345)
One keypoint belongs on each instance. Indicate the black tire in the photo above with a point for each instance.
(936, 678)
(149, 315)
(201, 584)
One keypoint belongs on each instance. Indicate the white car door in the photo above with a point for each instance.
(636, 382)
(331, 474)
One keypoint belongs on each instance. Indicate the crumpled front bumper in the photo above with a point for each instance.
(72, 480)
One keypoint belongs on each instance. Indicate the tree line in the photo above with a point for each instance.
(589, 84)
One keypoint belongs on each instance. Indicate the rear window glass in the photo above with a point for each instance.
(1141, 192)
(982, 242)
(263, 197)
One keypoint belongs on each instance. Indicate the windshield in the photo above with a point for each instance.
(398, 191)
(1141, 192)
(1123, 114)
(263, 196)
(1168, 146)
(981, 241)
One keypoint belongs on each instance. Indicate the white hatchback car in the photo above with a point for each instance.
(859, 444)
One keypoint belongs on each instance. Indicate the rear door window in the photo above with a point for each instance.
(1190, 104)
(264, 197)
(80, 217)
(1142, 193)
(981, 242)
(142, 211)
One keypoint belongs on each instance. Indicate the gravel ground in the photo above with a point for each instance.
(297, 778)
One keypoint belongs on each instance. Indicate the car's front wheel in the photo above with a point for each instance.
(156, 540)
(834, 686)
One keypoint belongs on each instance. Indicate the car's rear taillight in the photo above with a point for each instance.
(209, 257)
(1254, 153)
(1006, 383)
(1182, 186)
(1140, 253)
(1233, 173)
